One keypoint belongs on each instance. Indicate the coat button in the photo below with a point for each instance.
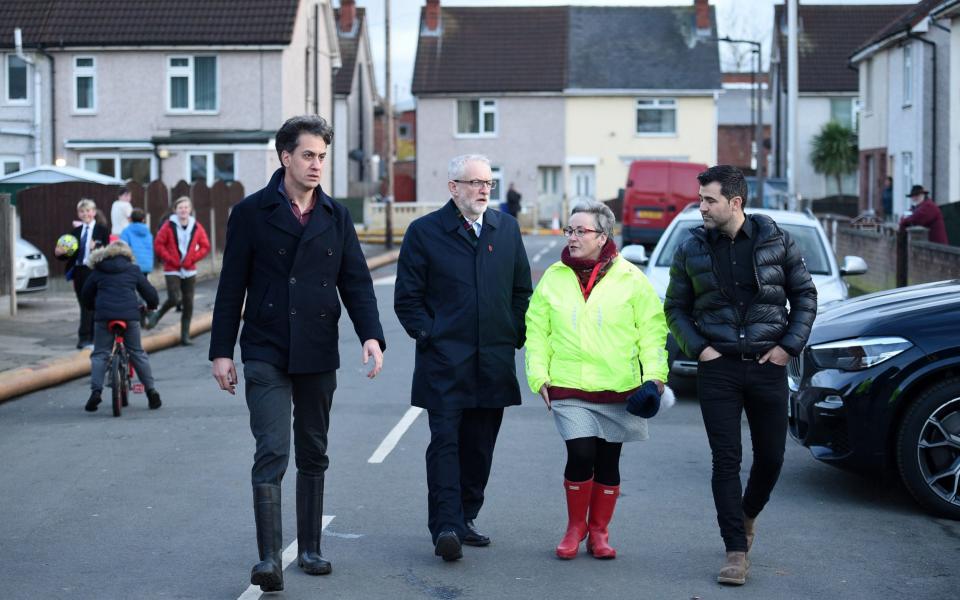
(324, 283)
(293, 311)
(283, 251)
(323, 315)
(293, 280)
(329, 251)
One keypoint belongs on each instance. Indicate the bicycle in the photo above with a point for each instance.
(119, 369)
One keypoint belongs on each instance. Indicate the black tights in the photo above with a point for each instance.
(593, 457)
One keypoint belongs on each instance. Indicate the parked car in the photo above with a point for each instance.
(803, 228)
(32, 269)
(877, 389)
(775, 194)
(656, 192)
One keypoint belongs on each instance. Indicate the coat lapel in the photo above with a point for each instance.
(282, 218)
(320, 219)
(453, 225)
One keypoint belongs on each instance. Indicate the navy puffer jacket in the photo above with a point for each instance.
(111, 290)
(700, 314)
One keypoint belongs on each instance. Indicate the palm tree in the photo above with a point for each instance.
(835, 151)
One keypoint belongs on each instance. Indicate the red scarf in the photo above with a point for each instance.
(589, 271)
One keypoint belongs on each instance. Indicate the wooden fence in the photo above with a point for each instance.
(48, 211)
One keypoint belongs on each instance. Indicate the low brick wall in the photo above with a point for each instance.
(927, 261)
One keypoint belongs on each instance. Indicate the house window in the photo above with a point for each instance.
(10, 164)
(136, 167)
(211, 166)
(403, 131)
(477, 117)
(907, 75)
(867, 83)
(656, 116)
(497, 191)
(842, 110)
(192, 83)
(16, 80)
(906, 163)
(84, 84)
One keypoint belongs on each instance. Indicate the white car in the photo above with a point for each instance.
(33, 270)
(804, 229)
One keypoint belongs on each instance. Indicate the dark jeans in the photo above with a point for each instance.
(727, 387)
(179, 291)
(85, 331)
(269, 391)
(458, 465)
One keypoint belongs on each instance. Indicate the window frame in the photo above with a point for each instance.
(907, 75)
(659, 104)
(27, 99)
(496, 174)
(189, 72)
(209, 155)
(117, 157)
(79, 72)
(484, 106)
(10, 158)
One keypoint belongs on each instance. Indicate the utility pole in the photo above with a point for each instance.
(388, 208)
(792, 94)
(759, 134)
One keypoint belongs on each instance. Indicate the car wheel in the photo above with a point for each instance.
(928, 449)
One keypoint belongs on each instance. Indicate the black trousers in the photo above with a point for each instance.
(179, 291)
(458, 465)
(269, 391)
(85, 331)
(728, 387)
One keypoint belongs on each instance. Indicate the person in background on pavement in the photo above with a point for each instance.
(726, 304)
(110, 292)
(290, 250)
(513, 201)
(927, 214)
(181, 243)
(595, 335)
(120, 213)
(91, 235)
(137, 235)
(886, 197)
(463, 285)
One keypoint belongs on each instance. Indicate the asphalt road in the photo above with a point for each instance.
(157, 504)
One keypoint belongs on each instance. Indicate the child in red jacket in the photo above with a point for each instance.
(180, 244)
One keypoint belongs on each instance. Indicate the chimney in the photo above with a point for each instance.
(348, 15)
(702, 8)
(432, 17)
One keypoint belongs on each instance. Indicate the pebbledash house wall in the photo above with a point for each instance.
(927, 262)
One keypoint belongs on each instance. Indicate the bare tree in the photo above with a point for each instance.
(736, 20)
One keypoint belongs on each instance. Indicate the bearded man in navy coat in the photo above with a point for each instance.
(462, 289)
(290, 248)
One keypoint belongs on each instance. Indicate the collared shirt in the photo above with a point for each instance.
(735, 264)
(477, 225)
(302, 216)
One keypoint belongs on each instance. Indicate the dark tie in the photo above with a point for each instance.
(83, 246)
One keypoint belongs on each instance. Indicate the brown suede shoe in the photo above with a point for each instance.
(750, 528)
(734, 571)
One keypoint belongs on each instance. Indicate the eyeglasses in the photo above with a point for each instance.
(579, 231)
(479, 183)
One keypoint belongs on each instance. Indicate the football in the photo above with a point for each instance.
(69, 244)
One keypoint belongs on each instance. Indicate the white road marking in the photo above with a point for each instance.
(547, 248)
(289, 555)
(395, 434)
(387, 280)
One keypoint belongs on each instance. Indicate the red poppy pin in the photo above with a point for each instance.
(489, 247)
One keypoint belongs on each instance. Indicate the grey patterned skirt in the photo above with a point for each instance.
(611, 422)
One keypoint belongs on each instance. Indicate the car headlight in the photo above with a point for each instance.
(857, 354)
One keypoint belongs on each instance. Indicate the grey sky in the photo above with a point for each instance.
(746, 19)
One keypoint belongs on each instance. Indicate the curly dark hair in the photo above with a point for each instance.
(289, 133)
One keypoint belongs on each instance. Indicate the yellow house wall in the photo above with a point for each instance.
(604, 129)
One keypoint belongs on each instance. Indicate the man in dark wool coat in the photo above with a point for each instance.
(290, 249)
(463, 285)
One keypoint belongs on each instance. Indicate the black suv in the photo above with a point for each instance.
(878, 387)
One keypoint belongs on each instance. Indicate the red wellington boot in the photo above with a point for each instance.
(578, 502)
(602, 503)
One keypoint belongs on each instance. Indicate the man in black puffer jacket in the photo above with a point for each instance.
(111, 293)
(727, 304)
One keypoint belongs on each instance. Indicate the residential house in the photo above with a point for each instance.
(737, 114)
(174, 90)
(948, 14)
(587, 91)
(828, 88)
(405, 149)
(355, 96)
(905, 93)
